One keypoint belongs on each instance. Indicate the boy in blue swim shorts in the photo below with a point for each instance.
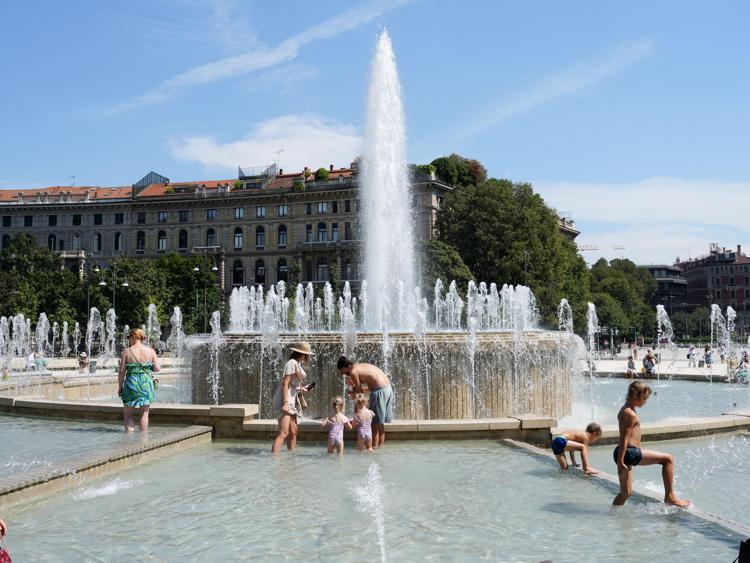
(628, 452)
(572, 441)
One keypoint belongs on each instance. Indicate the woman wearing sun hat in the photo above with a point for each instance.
(285, 400)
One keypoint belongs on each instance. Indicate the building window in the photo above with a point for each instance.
(119, 218)
(282, 236)
(282, 271)
(322, 232)
(118, 242)
(162, 241)
(210, 214)
(51, 242)
(6, 220)
(97, 242)
(210, 237)
(260, 237)
(348, 270)
(347, 205)
(28, 220)
(260, 272)
(76, 220)
(731, 281)
(308, 233)
(747, 292)
(347, 231)
(335, 205)
(718, 294)
(323, 270)
(6, 241)
(238, 237)
(283, 210)
(239, 212)
(184, 216)
(731, 294)
(322, 207)
(76, 242)
(163, 216)
(97, 218)
(308, 270)
(183, 239)
(717, 281)
(52, 220)
(141, 217)
(238, 274)
(334, 232)
(308, 209)
(260, 211)
(140, 242)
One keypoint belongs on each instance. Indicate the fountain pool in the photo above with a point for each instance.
(454, 501)
(708, 471)
(30, 443)
(673, 400)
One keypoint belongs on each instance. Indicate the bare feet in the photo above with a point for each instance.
(674, 501)
(591, 472)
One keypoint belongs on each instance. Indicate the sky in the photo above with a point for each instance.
(629, 116)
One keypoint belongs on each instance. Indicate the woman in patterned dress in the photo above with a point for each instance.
(136, 386)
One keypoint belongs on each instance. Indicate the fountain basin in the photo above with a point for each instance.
(437, 376)
(454, 501)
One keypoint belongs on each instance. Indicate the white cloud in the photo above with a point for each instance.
(566, 83)
(307, 140)
(264, 58)
(656, 219)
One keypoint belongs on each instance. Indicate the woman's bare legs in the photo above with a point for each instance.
(127, 413)
(144, 418)
(284, 423)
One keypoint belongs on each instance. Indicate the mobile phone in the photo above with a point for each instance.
(312, 386)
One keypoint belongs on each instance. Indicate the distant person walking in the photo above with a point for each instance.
(708, 356)
(634, 349)
(287, 400)
(361, 377)
(135, 382)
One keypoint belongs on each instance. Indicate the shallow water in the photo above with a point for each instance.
(29, 443)
(671, 400)
(713, 472)
(435, 501)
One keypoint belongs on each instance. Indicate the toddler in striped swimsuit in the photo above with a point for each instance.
(335, 424)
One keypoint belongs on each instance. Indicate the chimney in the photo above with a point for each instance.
(281, 171)
(330, 168)
(306, 170)
(739, 250)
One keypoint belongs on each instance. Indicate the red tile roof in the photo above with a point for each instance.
(76, 192)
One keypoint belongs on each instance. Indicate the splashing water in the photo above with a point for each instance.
(592, 329)
(565, 317)
(389, 244)
(153, 330)
(370, 500)
(216, 342)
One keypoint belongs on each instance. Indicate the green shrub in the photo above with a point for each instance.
(322, 174)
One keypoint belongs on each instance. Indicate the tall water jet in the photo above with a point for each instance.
(77, 337)
(592, 330)
(42, 335)
(664, 331)
(55, 338)
(565, 317)
(153, 330)
(176, 338)
(215, 342)
(94, 330)
(65, 341)
(370, 500)
(6, 346)
(110, 349)
(389, 243)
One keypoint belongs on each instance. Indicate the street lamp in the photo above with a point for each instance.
(196, 269)
(103, 283)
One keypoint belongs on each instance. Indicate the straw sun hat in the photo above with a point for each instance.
(301, 347)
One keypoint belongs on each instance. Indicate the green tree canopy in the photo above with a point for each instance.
(440, 260)
(458, 171)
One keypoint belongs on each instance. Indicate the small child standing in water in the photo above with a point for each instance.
(336, 423)
(363, 421)
(572, 441)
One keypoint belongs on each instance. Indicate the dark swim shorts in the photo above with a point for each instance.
(633, 455)
(558, 445)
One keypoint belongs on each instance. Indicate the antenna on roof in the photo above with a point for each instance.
(277, 153)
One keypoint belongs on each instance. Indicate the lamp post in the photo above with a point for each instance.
(214, 268)
(102, 283)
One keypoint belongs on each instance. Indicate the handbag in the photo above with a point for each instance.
(4, 553)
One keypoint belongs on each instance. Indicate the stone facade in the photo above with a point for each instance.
(259, 228)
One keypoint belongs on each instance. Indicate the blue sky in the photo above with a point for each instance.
(629, 115)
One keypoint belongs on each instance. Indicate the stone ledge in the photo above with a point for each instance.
(243, 410)
(67, 474)
(533, 421)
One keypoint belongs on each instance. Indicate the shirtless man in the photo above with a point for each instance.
(367, 377)
(628, 452)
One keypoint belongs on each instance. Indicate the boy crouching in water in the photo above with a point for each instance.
(572, 441)
(628, 452)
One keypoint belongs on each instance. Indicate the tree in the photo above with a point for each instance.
(505, 233)
(321, 174)
(458, 171)
(440, 260)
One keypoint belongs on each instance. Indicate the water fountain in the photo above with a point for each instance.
(55, 339)
(664, 331)
(176, 339)
(77, 337)
(42, 335)
(153, 329)
(94, 330)
(471, 353)
(64, 341)
(592, 328)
